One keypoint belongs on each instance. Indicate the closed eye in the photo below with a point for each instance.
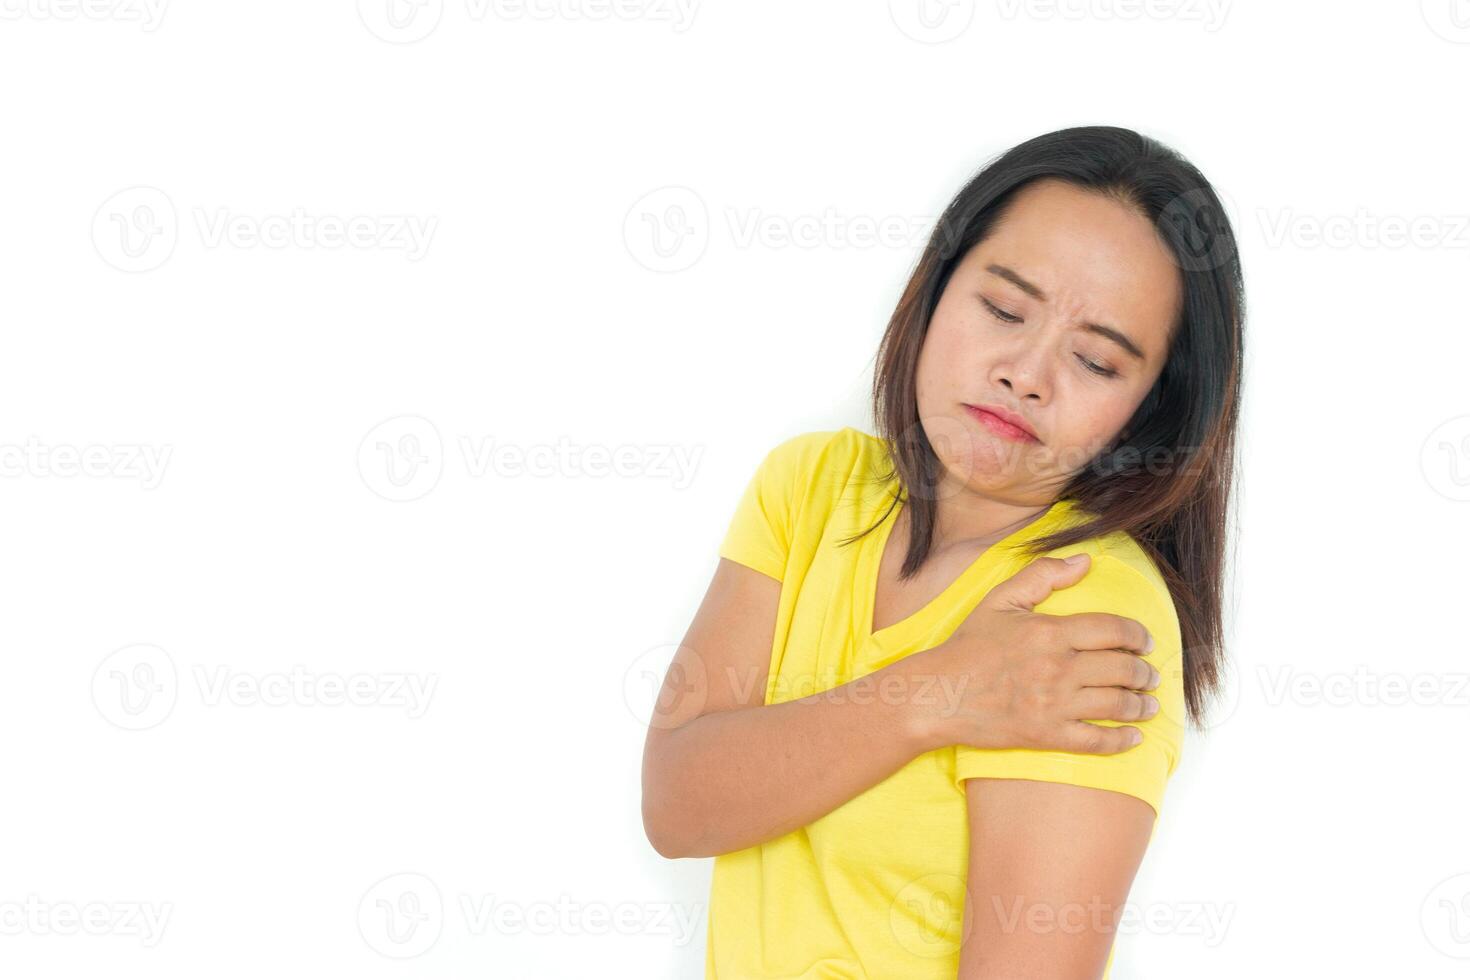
(999, 313)
(1006, 317)
(1096, 368)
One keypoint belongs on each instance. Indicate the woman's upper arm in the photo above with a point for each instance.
(1050, 868)
(1143, 771)
(1057, 837)
(725, 656)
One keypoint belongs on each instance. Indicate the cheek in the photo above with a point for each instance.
(945, 359)
(1090, 415)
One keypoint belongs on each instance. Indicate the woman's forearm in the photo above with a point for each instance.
(729, 780)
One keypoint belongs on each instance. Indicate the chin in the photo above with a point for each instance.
(988, 465)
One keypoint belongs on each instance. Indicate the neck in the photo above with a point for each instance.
(964, 517)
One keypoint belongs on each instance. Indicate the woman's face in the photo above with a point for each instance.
(1038, 321)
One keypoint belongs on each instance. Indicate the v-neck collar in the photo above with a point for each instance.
(982, 563)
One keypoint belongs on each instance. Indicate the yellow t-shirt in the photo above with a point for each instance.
(875, 889)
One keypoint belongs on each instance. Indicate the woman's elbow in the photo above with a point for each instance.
(661, 818)
(656, 829)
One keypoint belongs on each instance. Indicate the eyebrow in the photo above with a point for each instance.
(1031, 289)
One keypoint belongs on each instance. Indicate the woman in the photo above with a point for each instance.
(921, 743)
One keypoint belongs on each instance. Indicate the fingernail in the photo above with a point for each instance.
(1150, 706)
(1076, 559)
(1134, 737)
(1154, 682)
(1150, 644)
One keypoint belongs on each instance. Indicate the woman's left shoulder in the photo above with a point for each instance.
(1122, 547)
(1122, 575)
(1118, 549)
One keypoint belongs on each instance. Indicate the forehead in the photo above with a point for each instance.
(1093, 257)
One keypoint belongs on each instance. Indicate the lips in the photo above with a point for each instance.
(1006, 424)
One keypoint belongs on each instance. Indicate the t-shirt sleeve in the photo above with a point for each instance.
(1112, 586)
(760, 531)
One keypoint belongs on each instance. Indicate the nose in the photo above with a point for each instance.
(1023, 372)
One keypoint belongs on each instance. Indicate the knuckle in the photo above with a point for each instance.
(1093, 740)
(1048, 670)
(1143, 674)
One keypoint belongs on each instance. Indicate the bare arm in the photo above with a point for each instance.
(1050, 869)
(722, 771)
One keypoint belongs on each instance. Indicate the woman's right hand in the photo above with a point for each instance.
(1026, 680)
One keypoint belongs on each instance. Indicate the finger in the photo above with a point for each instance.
(1037, 581)
(1079, 736)
(1112, 704)
(1113, 668)
(1104, 631)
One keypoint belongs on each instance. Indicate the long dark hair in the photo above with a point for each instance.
(1166, 481)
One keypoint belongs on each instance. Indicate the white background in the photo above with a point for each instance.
(178, 183)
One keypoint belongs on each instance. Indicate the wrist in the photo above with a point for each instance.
(924, 708)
